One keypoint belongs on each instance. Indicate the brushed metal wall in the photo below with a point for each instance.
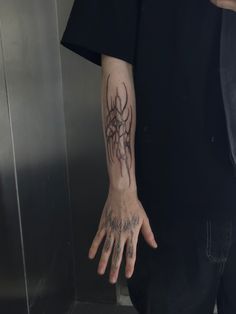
(87, 164)
(36, 265)
(11, 262)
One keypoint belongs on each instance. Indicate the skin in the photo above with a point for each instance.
(123, 216)
(225, 4)
(118, 128)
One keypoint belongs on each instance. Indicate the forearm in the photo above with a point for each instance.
(119, 122)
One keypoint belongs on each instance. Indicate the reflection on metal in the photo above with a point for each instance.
(35, 209)
(2, 67)
(87, 164)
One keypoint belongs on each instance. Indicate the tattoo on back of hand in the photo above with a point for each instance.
(118, 123)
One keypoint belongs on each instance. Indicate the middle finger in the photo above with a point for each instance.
(116, 258)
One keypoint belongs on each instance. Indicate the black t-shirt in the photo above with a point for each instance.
(183, 168)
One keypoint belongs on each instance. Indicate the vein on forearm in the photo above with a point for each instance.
(118, 128)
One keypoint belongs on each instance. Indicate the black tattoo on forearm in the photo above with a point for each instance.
(118, 123)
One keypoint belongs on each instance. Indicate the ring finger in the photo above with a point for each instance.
(116, 258)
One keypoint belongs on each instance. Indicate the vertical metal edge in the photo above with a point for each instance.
(15, 170)
(66, 156)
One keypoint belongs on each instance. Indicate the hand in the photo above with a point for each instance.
(122, 218)
(225, 4)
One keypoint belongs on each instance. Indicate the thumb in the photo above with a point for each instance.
(147, 233)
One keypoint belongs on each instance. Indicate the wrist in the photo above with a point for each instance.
(123, 188)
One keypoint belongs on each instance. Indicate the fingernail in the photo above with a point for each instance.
(112, 280)
(101, 272)
(155, 244)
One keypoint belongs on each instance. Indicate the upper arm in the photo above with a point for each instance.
(97, 27)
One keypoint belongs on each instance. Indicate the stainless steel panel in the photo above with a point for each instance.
(12, 280)
(33, 78)
(87, 164)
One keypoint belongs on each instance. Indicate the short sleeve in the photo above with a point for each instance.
(96, 27)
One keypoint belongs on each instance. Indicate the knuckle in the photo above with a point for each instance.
(151, 237)
(130, 266)
(103, 260)
(107, 246)
(147, 224)
(131, 259)
(106, 250)
(102, 264)
(149, 234)
(100, 233)
(115, 267)
(96, 240)
(130, 251)
(93, 247)
(116, 259)
(95, 243)
(130, 263)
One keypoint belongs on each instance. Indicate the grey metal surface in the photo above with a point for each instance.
(34, 92)
(12, 281)
(87, 164)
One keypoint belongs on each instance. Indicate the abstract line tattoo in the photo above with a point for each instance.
(130, 248)
(119, 225)
(107, 244)
(118, 123)
(116, 256)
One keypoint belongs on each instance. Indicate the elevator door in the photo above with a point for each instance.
(36, 268)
